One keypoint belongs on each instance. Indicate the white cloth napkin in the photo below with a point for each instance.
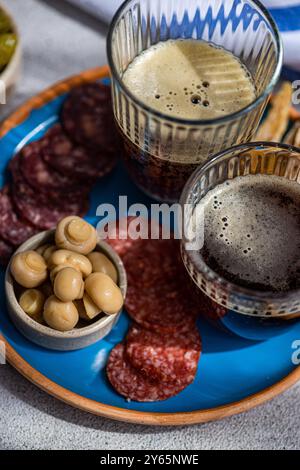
(285, 12)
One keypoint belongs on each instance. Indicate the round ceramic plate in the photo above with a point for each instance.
(234, 374)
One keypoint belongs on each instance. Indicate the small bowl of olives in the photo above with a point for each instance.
(10, 52)
(65, 288)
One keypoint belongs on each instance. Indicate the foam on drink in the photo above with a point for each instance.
(190, 79)
(252, 232)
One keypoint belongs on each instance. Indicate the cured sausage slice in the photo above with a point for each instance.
(159, 296)
(39, 174)
(38, 209)
(127, 381)
(76, 161)
(12, 229)
(172, 358)
(88, 117)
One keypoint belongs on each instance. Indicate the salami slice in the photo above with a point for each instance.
(127, 381)
(40, 175)
(6, 251)
(76, 161)
(36, 208)
(163, 309)
(88, 117)
(12, 229)
(159, 296)
(118, 237)
(169, 358)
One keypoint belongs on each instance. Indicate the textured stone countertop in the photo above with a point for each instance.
(29, 418)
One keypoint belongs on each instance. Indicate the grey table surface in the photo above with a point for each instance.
(58, 41)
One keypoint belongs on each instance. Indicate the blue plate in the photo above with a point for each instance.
(234, 374)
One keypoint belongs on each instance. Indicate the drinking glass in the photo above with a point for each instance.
(220, 296)
(161, 151)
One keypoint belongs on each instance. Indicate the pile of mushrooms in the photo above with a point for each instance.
(68, 280)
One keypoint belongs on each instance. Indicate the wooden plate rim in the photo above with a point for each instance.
(141, 417)
(92, 406)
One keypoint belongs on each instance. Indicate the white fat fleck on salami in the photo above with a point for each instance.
(169, 358)
(127, 381)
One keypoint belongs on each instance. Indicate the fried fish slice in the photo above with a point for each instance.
(293, 136)
(274, 126)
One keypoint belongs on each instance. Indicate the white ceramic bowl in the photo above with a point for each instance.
(45, 336)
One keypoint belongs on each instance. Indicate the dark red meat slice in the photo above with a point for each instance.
(39, 174)
(40, 210)
(127, 381)
(76, 161)
(165, 309)
(6, 251)
(88, 117)
(56, 198)
(159, 295)
(172, 358)
(12, 229)
(117, 235)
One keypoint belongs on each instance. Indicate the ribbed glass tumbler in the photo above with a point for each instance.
(162, 151)
(248, 159)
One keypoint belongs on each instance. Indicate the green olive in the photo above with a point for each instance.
(5, 23)
(8, 43)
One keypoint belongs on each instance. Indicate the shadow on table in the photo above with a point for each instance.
(77, 14)
(36, 398)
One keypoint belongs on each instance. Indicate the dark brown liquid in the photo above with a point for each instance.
(252, 232)
(159, 178)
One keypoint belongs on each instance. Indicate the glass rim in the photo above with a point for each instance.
(200, 264)
(198, 122)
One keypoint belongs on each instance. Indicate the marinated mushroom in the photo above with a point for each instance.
(91, 309)
(61, 316)
(74, 233)
(86, 308)
(104, 293)
(76, 260)
(81, 310)
(57, 269)
(32, 302)
(29, 269)
(48, 252)
(68, 285)
(102, 264)
(41, 249)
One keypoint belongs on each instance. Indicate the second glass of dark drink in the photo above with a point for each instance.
(189, 78)
(245, 204)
